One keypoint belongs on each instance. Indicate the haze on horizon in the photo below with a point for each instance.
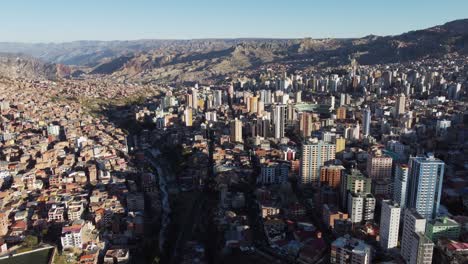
(64, 21)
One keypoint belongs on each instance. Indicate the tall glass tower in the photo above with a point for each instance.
(425, 185)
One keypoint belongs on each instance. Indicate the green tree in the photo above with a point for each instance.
(30, 241)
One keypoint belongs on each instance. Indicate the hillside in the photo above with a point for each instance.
(16, 66)
(192, 60)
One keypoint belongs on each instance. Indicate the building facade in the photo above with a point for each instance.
(314, 156)
(389, 224)
(425, 185)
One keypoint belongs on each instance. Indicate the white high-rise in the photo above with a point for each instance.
(314, 155)
(389, 224)
(361, 207)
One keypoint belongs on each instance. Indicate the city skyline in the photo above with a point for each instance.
(222, 135)
(54, 21)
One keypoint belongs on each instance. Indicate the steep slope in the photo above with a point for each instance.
(18, 66)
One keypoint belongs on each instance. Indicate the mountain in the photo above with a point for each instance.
(20, 66)
(193, 60)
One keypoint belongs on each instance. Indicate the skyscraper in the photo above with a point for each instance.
(400, 186)
(279, 120)
(314, 154)
(366, 122)
(400, 105)
(425, 185)
(236, 130)
(389, 224)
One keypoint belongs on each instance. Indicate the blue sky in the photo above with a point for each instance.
(63, 20)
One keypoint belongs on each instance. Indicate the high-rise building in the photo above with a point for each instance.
(340, 144)
(354, 182)
(454, 91)
(279, 120)
(217, 98)
(350, 250)
(328, 136)
(291, 115)
(379, 166)
(389, 224)
(188, 100)
(400, 185)
(188, 116)
(330, 175)
(236, 130)
(265, 96)
(342, 99)
(366, 122)
(331, 101)
(314, 155)
(263, 127)
(306, 124)
(413, 223)
(195, 98)
(361, 207)
(260, 107)
(400, 105)
(274, 172)
(252, 104)
(425, 185)
(341, 113)
(421, 249)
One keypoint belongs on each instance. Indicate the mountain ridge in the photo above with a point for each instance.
(192, 60)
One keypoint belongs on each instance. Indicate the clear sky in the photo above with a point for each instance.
(67, 20)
